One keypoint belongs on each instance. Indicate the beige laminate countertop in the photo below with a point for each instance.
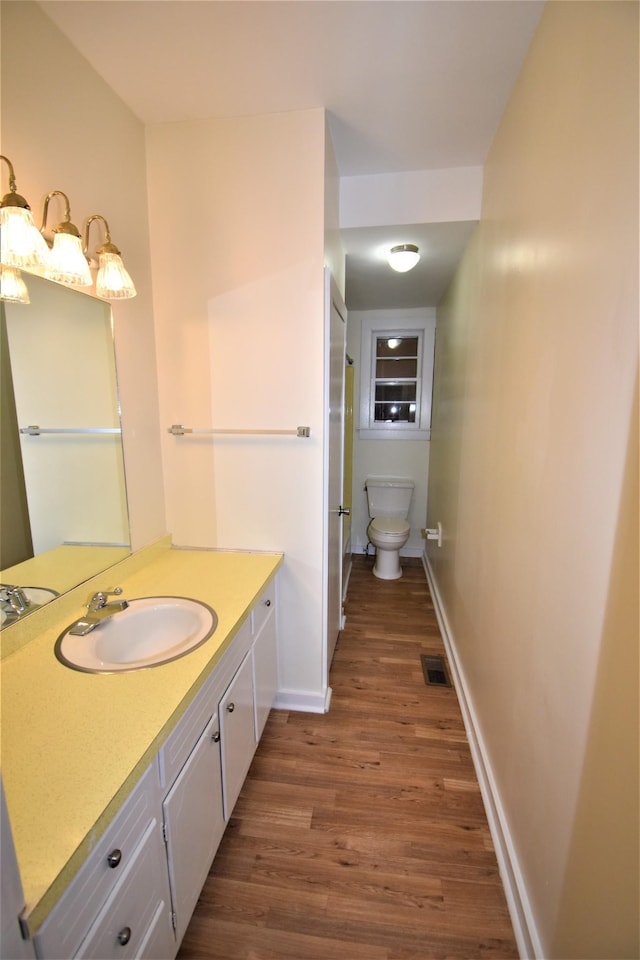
(74, 744)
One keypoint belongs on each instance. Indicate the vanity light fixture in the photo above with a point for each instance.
(67, 262)
(13, 289)
(403, 257)
(21, 243)
(113, 282)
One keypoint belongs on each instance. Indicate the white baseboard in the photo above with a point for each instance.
(303, 702)
(524, 926)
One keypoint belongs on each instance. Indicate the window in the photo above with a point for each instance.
(396, 375)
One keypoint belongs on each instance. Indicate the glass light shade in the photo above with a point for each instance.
(13, 289)
(68, 263)
(21, 243)
(113, 281)
(403, 257)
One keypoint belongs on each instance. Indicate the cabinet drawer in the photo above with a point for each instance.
(68, 922)
(265, 607)
(174, 753)
(127, 921)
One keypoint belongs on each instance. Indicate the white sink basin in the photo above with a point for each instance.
(151, 631)
(39, 595)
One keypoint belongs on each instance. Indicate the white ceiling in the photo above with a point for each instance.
(408, 84)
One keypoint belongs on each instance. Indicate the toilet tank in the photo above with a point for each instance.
(389, 496)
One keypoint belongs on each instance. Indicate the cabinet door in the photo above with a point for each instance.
(265, 669)
(194, 824)
(237, 732)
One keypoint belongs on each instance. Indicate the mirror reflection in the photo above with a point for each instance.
(63, 510)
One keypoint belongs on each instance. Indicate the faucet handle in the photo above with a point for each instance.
(99, 599)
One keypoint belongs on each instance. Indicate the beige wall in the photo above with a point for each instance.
(237, 216)
(64, 129)
(534, 477)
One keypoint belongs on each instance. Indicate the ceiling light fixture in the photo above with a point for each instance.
(67, 263)
(21, 243)
(113, 282)
(403, 257)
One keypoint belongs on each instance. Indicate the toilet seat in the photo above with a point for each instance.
(390, 527)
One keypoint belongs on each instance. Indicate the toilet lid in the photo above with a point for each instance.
(395, 525)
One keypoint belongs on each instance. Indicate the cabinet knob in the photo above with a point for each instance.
(114, 858)
(215, 736)
(267, 603)
(124, 936)
(231, 708)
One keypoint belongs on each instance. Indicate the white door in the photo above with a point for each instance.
(335, 330)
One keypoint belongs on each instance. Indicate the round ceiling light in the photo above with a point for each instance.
(403, 257)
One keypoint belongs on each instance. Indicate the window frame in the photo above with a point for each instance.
(422, 326)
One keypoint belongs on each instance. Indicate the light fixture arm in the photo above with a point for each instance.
(65, 225)
(107, 246)
(12, 199)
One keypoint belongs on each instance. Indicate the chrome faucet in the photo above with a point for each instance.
(98, 610)
(13, 599)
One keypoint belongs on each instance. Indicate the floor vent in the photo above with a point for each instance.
(435, 671)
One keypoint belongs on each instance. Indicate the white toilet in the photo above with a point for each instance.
(389, 500)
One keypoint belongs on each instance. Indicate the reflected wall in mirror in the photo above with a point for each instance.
(63, 514)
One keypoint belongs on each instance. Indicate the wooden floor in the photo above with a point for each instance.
(361, 834)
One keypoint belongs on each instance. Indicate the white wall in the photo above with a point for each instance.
(64, 129)
(398, 458)
(534, 474)
(416, 196)
(237, 216)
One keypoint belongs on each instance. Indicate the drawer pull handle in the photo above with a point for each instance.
(124, 936)
(114, 858)
(267, 603)
(231, 708)
(216, 736)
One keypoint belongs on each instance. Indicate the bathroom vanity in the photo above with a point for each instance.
(119, 786)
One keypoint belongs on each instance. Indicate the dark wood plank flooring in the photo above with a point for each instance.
(361, 834)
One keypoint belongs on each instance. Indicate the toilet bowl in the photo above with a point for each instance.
(388, 535)
(389, 499)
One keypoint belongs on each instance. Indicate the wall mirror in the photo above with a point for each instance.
(63, 509)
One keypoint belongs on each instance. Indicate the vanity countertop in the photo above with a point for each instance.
(74, 744)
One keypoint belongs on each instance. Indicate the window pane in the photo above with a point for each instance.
(396, 346)
(395, 392)
(395, 412)
(395, 403)
(396, 368)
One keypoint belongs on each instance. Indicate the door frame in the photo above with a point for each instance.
(332, 299)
